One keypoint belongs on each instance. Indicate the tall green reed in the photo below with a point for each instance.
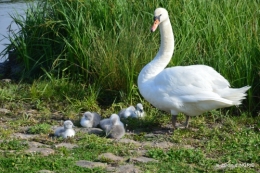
(107, 43)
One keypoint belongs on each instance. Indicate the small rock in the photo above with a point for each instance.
(129, 168)
(111, 157)
(89, 164)
(45, 171)
(4, 111)
(138, 152)
(147, 144)
(34, 144)
(144, 159)
(66, 145)
(188, 147)
(129, 141)
(6, 80)
(24, 129)
(23, 136)
(163, 145)
(43, 151)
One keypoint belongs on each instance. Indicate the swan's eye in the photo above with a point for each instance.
(157, 17)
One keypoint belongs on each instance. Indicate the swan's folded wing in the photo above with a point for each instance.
(200, 76)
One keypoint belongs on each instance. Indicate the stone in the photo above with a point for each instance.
(130, 141)
(23, 136)
(43, 151)
(34, 144)
(138, 152)
(66, 145)
(6, 80)
(4, 111)
(45, 171)
(129, 168)
(110, 157)
(144, 159)
(163, 145)
(89, 164)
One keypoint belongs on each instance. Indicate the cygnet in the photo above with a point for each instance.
(65, 131)
(113, 127)
(90, 119)
(131, 111)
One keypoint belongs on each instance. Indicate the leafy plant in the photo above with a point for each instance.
(13, 145)
(99, 44)
(40, 129)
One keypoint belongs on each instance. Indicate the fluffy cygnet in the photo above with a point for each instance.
(66, 130)
(90, 119)
(132, 111)
(139, 112)
(113, 127)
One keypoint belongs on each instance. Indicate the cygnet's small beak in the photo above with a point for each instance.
(155, 25)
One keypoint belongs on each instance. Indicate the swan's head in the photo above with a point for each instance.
(160, 15)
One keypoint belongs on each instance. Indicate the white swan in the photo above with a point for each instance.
(90, 119)
(191, 90)
(131, 111)
(113, 127)
(66, 130)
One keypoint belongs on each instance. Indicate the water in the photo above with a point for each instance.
(8, 7)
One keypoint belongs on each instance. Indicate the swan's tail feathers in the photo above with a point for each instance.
(236, 95)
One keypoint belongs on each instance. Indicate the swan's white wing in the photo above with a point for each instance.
(200, 76)
(183, 89)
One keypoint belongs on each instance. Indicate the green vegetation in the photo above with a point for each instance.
(105, 44)
(212, 141)
(13, 145)
(86, 56)
(40, 129)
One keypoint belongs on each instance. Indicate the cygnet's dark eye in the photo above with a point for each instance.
(157, 17)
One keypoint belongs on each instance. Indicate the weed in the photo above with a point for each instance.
(40, 129)
(102, 45)
(13, 145)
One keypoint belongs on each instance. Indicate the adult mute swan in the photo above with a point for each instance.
(192, 89)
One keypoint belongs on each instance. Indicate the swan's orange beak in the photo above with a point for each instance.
(155, 25)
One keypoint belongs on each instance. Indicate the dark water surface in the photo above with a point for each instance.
(8, 8)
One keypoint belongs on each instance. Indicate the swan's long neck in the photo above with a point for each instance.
(163, 56)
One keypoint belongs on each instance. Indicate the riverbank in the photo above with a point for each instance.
(214, 142)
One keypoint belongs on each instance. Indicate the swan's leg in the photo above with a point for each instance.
(187, 121)
(174, 119)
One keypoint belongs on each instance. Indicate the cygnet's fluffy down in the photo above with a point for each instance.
(66, 130)
(113, 127)
(139, 112)
(131, 111)
(90, 119)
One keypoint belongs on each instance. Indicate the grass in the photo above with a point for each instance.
(100, 44)
(214, 142)
(40, 129)
(86, 55)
